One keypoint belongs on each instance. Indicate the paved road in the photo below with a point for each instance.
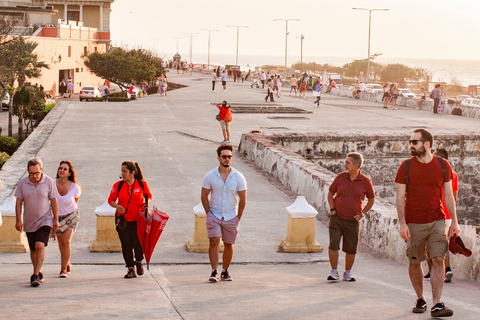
(174, 140)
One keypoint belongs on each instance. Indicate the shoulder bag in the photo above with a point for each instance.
(70, 220)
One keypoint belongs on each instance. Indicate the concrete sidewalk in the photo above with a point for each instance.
(174, 139)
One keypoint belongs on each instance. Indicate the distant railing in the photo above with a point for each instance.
(22, 31)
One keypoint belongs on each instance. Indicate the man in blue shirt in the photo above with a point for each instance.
(223, 215)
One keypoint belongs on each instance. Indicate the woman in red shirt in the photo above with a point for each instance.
(130, 195)
(225, 118)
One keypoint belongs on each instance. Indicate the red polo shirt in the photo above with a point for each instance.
(136, 202)
(349, 195)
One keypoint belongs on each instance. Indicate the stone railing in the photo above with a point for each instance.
(379, 229)
(466, 111)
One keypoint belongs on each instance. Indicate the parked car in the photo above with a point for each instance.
(6, 101)
(373, 88)
(48, 99)
(470, 102)
(406, 93)
(89, 93)
(462, 97)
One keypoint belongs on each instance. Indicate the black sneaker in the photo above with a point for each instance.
(214, 276)
(34, 280)
(131, 273)
(225, 276)
(439, 310)
(139, 266)
(427, 277)
(40, 277)
(420, 307)
(448, 274)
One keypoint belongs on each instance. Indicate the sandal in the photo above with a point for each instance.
(63, 274)
(68, 268)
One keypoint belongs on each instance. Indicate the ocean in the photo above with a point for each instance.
(463, 72)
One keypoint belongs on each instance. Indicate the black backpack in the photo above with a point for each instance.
(407, 167)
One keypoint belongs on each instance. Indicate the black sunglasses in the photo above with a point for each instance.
(414, 142)
(227, 157)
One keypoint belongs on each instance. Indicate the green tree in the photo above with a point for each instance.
(122, 67)
(19, 62)
(315, 67)
(5, 29)
(397, 73)
(355, 68)
(423, 76)
(30, 101)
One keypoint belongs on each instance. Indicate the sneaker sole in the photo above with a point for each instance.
(332, 279)
(448, 277)
(419, 310)
(441, 313)
(35, 283)
(226, 279)
(213, 279)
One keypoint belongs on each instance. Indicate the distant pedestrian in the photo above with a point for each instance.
(329, 87)
(225, 119)
(269, 91)
(234, 71)
(345, 197)
(62, 88)
(69, 192)
(214, 80)
(436, 98)
(70, 88)
(423, 96)
(178, 68)
(243, 76)
(131, 91)
(303, 87)
(105, 92)
(263, 77)
(317, 92)
(355, 88)
(293, 85)
(224, 80)
(127, 197)
(37, 194)
(386, 95)
(394, 93)
(421, 217)
(247, 75)
(224, 211)
(441, 105)
(279, 86)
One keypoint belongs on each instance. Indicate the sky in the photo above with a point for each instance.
(427, 29)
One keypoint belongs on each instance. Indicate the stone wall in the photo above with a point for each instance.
(383, 155)
(380, 228)
(466, 111)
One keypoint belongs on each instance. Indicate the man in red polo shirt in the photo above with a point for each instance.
(422, 218)
(345, 197)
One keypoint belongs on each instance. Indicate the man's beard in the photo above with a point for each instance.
(225, 165)
(418, 153)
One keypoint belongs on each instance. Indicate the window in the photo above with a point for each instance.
(69, 51)
(85, 51)
(95, 49)
(77, 70)
(81, 70)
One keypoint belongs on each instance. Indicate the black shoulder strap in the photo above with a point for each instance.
(140, 182)
(406, 168)
(442, 163)
(119, 187)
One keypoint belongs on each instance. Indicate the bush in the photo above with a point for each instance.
(8, 145)
(114, 99)
(49, 107)
(3, 158)
(117, 94)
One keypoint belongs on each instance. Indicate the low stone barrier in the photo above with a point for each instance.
(107, 237)
(11, 240)
(379, 230)
(412, 103)
(199, 242)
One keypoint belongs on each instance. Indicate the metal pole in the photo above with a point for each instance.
(369, 28)
(236, 56)
(191, 45)
(208, 55)
(286, 40)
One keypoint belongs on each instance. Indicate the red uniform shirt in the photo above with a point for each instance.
(136, 202)
(425, 188)
(349, 194)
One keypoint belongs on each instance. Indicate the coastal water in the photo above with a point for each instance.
(463, 72)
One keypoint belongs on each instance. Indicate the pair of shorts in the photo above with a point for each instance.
(227, 230)
(104, 98)
(293, 87)
(41, 235)
(427, 237)
(224, 83)
(348, 229)
(224, 125)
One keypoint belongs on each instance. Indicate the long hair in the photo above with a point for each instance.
(133, 166)
(73, 176)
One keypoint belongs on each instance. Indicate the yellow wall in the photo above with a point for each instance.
(91, 16)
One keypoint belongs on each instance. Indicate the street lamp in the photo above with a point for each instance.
(301, 47)
(208, 56)
(286, 37)
(369, 27)
(177, 41)
(191, 43)
(238, 27)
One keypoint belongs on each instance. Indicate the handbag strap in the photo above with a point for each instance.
(128, 204)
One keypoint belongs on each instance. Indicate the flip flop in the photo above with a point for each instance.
(63, 275)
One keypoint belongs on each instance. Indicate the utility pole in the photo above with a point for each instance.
(208, 56)
(191, 34)
(238, 27)
(301, 47)
(286, 37)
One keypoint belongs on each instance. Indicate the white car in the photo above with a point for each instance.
(373, 88)
(406, 93)
(6, 101)
(470, 102)
(89, 93)
(462, 97)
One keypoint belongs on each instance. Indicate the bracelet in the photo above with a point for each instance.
(332, 209)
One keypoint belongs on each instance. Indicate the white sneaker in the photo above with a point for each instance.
(347, 276)
(394, 108)
(334, 276)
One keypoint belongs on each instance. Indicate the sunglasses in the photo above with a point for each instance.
(62, 169)
(227, 157)
(414, 142)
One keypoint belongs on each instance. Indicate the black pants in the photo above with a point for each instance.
(130, 243)
(436, 102)
(263, 84)
(213, 85)
(317, 102)
(269, 94)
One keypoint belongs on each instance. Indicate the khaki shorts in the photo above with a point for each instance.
(227, 230)
(224, 125)
(348, 229)
(428, 237)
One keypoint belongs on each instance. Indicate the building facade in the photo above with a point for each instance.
(66, 31)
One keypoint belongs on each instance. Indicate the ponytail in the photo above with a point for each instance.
(134, 167)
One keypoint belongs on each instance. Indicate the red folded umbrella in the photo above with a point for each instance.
(150, 225)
